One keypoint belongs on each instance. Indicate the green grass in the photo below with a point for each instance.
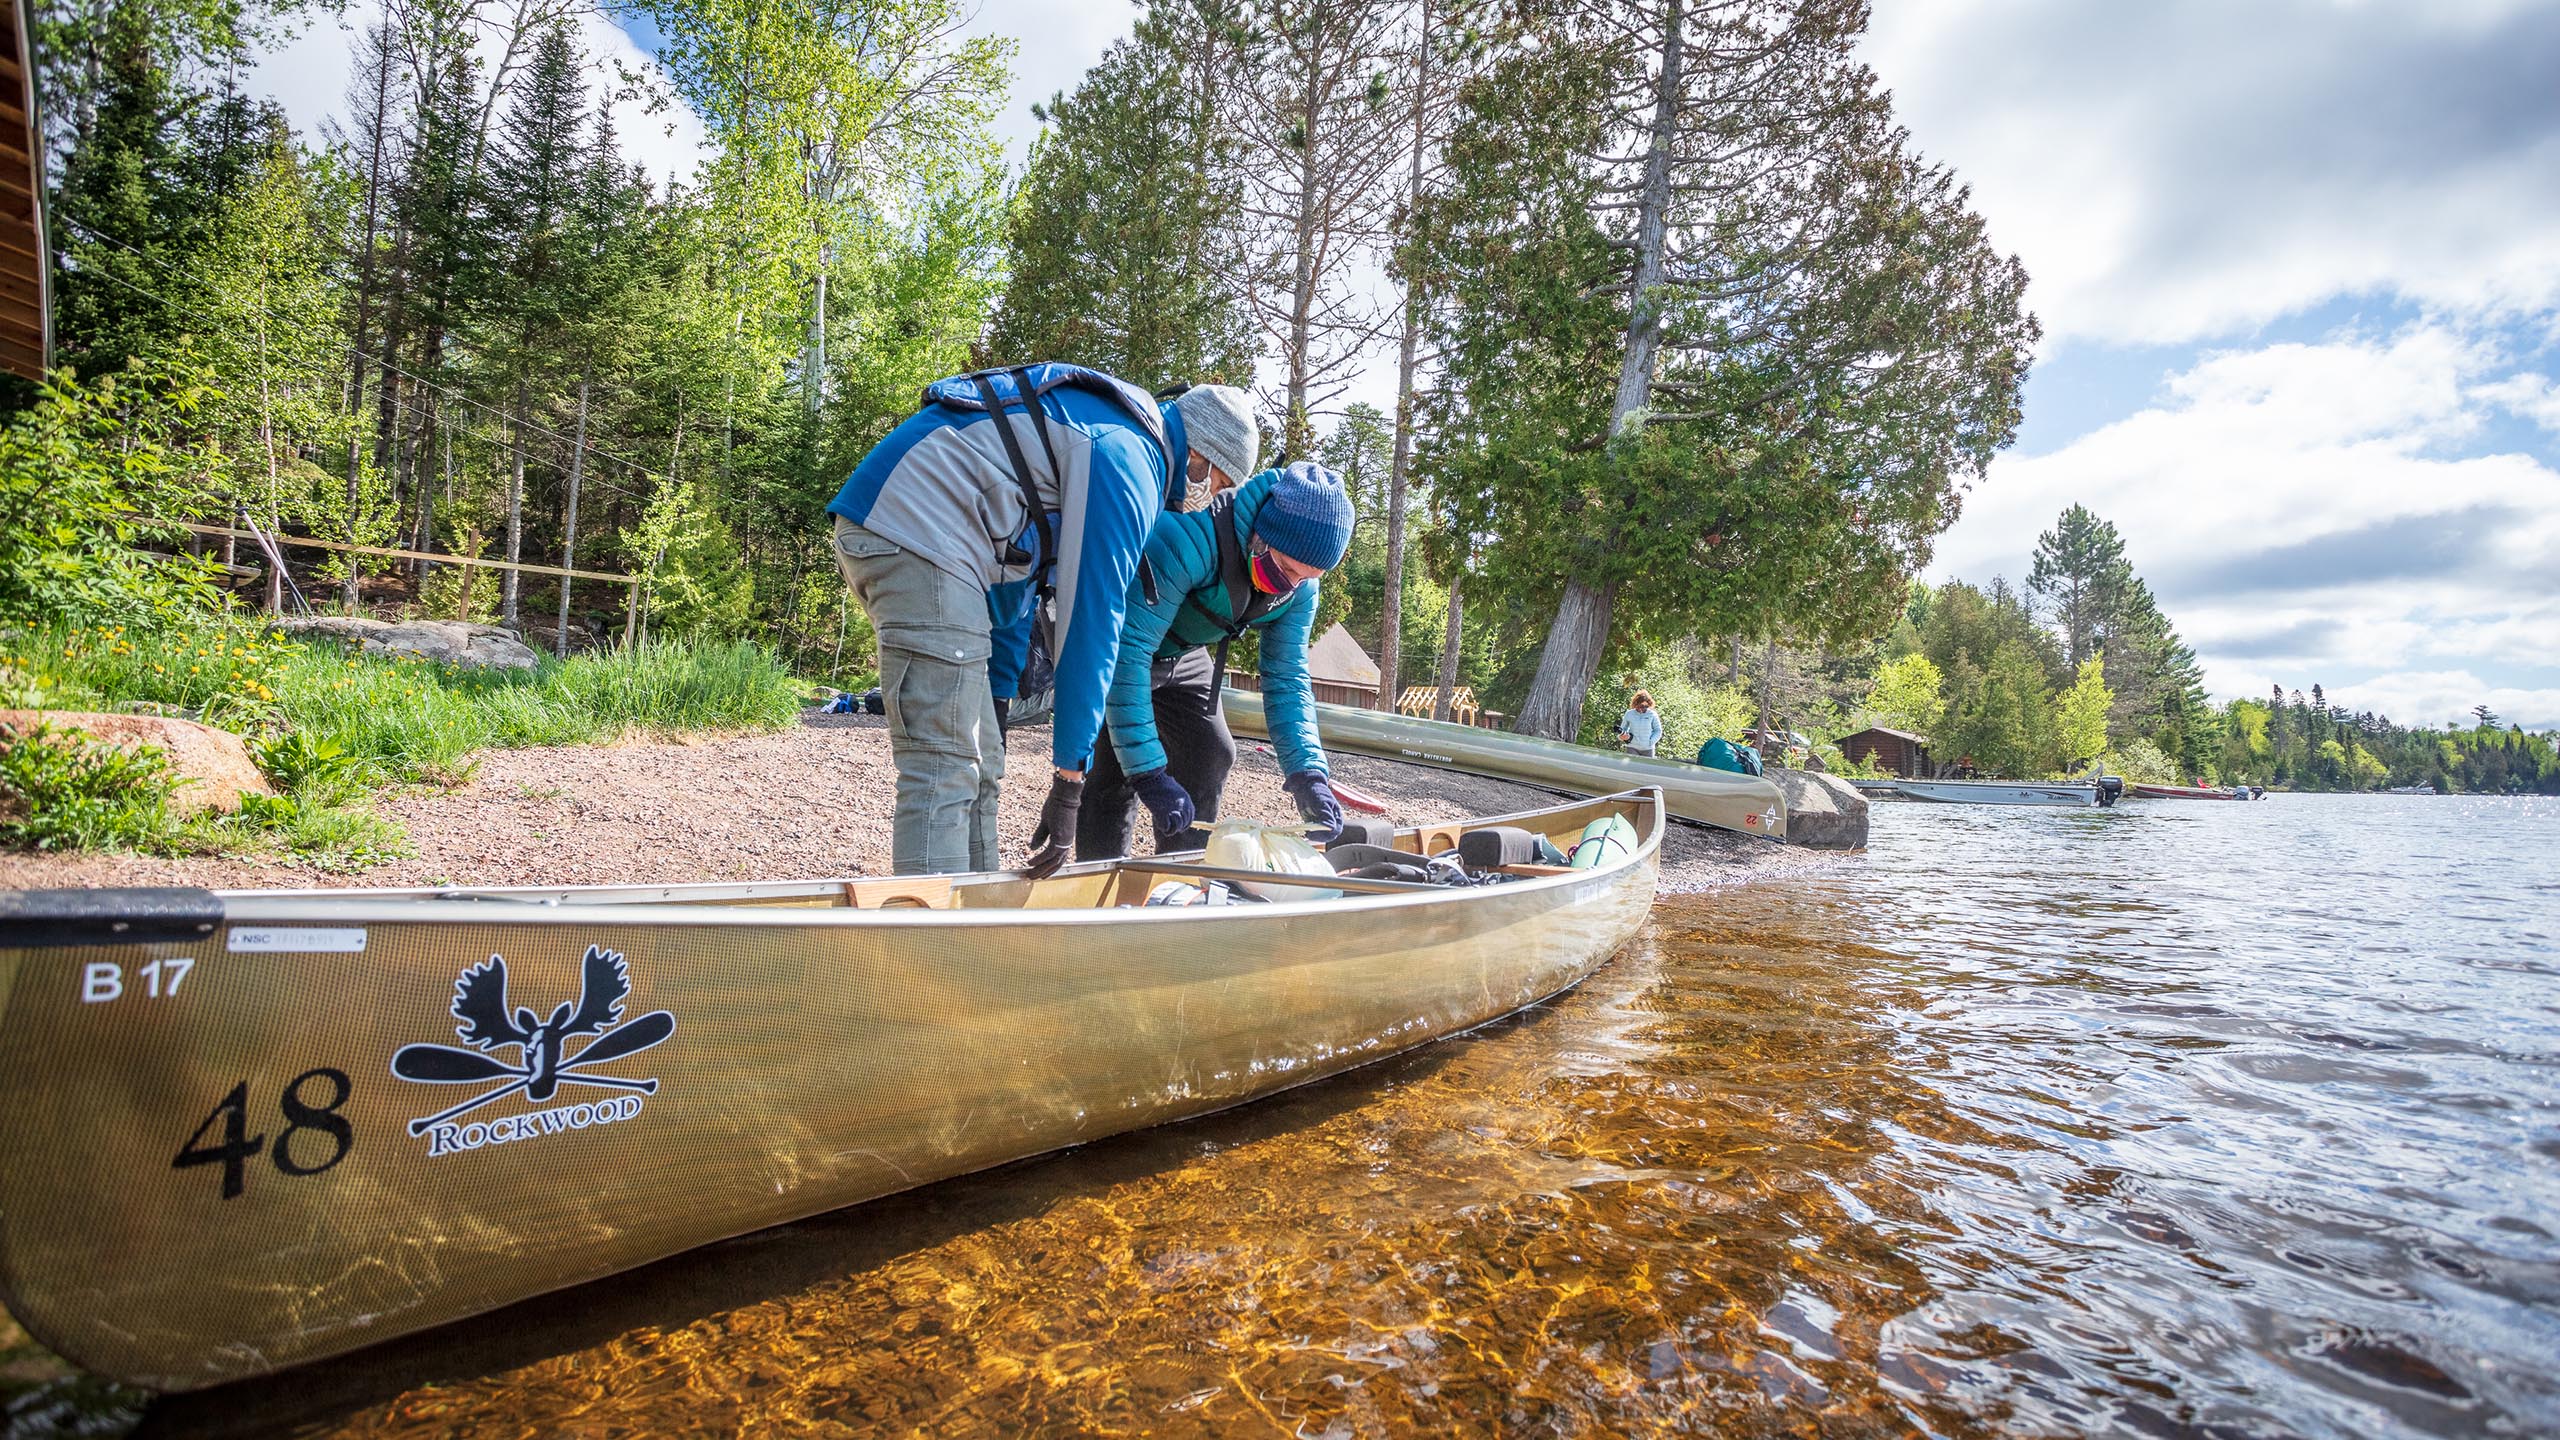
(329, 726)
(404, 720)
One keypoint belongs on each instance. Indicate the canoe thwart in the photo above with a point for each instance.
(1274, 877)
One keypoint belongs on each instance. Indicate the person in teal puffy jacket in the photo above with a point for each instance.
(1248, 562)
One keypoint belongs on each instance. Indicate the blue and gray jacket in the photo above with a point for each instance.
(1189, 606)
(943, 486)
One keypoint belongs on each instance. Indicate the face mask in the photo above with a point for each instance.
(1268, 577)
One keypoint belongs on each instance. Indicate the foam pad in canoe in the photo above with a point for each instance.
(1495, 846)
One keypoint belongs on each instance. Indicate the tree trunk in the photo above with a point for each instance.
(1768, 678)
(1298, 430)
(508, 614)
(427, 505)
(569, 526)
(347, 592)
(1733, 660)
(1399, 470)
(813, 356)
(1449, 652)
(1580, 631)
(1575, 643)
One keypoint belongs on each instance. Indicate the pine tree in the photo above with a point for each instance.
(1125, 255)
(1721, 348)
(524, 300)
(116, 236)
(2081, 574)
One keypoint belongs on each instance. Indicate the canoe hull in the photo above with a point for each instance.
(2183, 792)
(1745, 804)
(231, 1178)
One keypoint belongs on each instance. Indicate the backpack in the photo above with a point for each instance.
(992, 392)
(1723, 754)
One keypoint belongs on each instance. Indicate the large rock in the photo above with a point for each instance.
(1824, 812)
(447, 642)
(215, 761)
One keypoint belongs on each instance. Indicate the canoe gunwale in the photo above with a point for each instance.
(664, 904)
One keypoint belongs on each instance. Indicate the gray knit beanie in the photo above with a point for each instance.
(1218, 420)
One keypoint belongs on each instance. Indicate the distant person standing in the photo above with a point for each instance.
(1639, 728)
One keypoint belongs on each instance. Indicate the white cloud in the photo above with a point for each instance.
(1058, 40)
(2190, 169)
(2441, 698)
(2526, 396)
(2304, 513)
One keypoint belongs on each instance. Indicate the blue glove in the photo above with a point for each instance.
(1316, 804)
(1167, 801)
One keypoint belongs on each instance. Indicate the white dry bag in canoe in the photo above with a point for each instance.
(1282, 849)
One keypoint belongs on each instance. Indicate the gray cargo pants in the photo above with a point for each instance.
(934, 643)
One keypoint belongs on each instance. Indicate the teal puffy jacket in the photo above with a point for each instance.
(1188, 611)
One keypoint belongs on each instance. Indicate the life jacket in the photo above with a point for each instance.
(992, 392)
(1235, 577)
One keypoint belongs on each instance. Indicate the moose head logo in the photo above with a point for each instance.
(543, 1062)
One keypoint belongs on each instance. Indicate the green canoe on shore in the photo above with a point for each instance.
(1745, 804)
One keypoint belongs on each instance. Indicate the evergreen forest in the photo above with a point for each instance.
(1693, 353)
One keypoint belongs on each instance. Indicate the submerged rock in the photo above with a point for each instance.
(214, 762)
(447, 642)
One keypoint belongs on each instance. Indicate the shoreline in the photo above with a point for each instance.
(812, 800)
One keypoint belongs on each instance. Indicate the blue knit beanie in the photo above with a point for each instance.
(1307, 515)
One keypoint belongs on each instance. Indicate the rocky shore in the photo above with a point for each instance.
(812, 800)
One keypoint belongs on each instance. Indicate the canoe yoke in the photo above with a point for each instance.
(143, 915)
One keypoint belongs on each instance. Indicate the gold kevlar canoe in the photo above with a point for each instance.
(1743, 803)
(243, 1130)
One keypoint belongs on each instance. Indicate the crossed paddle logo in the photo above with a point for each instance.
(544, 1062)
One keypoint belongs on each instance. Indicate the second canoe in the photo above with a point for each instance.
(1746, 804)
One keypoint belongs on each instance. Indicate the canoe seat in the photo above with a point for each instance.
(900, 892)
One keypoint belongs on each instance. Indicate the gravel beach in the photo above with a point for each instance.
(814, 800)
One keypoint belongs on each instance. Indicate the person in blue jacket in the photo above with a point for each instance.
(955, 532)
(1247, 562)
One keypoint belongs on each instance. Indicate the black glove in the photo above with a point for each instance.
(1167, 801)
(1004, 715)
(1055, 838)
(1316, 804)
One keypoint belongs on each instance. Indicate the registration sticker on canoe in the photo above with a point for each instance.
(542, 1064)
(298, 940)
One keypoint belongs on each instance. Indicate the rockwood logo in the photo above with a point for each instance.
(543, 1062)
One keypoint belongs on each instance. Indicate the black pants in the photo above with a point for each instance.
(1198, 749)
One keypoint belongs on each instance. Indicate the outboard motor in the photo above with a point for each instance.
(2110, 789)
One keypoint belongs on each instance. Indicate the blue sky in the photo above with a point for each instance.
(2298, 266)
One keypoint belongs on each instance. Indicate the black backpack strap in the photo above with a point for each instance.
(1235, 573)
(1012, 552)
(1235, 576)
(1040, 423)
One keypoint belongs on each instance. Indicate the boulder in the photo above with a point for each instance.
(1824, 812)
(446, 642)
(215, 761)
